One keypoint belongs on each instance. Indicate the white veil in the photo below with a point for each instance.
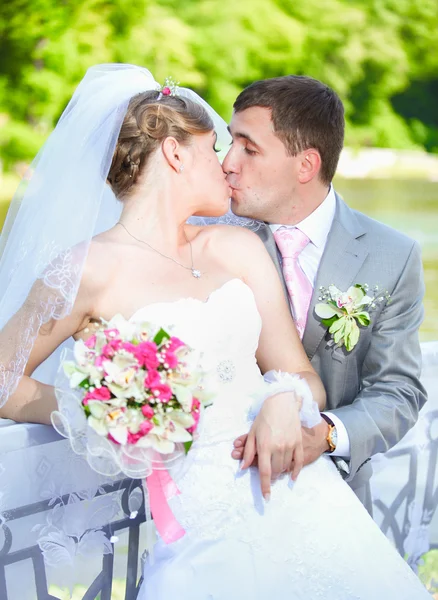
(53, 507)
(60, 205)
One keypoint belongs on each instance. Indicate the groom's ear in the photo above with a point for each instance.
(310, 165)
(171, 149)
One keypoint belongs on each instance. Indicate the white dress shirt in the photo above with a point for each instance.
(317, 227)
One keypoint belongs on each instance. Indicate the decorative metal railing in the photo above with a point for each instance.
(63, 526)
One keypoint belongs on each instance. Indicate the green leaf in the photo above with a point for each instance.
(160, 336)
(364, 319)
(352, 336)
(350, 323)
(339, 335)
(337, 325)
(329, 322)
(187, 446)
(85, 384)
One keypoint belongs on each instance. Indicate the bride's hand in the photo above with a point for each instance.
(276, 438)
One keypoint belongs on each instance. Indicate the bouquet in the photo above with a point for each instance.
(140, 385)
(130, 400)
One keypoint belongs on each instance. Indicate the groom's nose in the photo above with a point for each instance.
(230, 164)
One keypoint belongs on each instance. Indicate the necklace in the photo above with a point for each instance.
(195, 272)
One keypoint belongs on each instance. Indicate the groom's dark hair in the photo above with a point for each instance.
(306, 113)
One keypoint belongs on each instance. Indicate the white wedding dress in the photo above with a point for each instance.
(312, 540)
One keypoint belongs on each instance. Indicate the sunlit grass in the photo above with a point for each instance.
(428, 572)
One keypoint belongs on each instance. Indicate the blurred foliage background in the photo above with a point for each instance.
(381, 56)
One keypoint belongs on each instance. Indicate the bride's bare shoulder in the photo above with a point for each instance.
(226, 234)
(101, 260)
(231, 240)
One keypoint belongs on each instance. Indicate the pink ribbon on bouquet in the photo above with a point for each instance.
(162, 488)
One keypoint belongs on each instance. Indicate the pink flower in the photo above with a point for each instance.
(110, 437)
(154, 383)
(111, 348)
(129, 347)
(134, 437)
(170, 359)
(195, 414)
(111, 333)
(91, 342)
(174, 344)
(101, 393)
(147, 411)
(99, 360)
(146, 427)
(152, 379)
(146, 354)
(164, 392)
(166, 91)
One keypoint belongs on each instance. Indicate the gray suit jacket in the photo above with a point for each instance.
(374, 389)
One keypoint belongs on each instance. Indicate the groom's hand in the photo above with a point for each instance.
(314, 444)
(315, 441)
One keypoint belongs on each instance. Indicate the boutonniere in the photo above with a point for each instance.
(343, 312)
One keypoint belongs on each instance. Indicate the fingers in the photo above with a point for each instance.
(240, 441)
(288, 458)
(278, 464)
(298, 461)
(265, 473)
(237, 454)
(249, 451)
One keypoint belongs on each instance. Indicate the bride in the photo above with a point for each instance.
(72, 255)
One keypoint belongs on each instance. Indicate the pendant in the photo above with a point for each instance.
(196, 273)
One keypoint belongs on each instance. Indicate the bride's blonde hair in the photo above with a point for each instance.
(151, 118)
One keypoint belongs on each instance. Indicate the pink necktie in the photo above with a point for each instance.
(291, 242)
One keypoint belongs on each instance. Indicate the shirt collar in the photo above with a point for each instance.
(318, 224)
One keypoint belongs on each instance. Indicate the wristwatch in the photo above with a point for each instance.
(332, 436)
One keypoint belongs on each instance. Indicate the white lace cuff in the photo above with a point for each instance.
(276, 382)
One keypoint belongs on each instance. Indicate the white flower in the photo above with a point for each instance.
(170, 429)
(105, 419)
(134, 418)
(121, 371)
(125, 328)
(97, 419)
(183, 394)
(144, 331)
(327, 311)
(344, 311)
(82, 354)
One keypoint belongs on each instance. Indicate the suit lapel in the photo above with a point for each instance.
(344, 254)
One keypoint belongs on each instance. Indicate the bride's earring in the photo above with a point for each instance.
(181, 169)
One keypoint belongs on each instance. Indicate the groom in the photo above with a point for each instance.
(287, 135)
